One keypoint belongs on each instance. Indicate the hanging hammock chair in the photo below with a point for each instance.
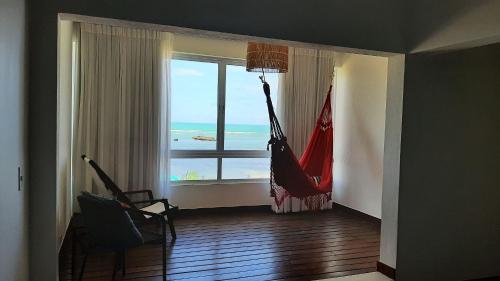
(310, 178)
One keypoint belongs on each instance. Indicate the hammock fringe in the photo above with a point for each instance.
(312, 202)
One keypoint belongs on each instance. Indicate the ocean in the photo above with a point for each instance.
(236, 137)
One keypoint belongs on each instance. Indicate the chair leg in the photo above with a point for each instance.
(83, 267)
(170, 220)
(73, 254)
(115, 265)
(123, 263)
(172, 228)
(164, 250)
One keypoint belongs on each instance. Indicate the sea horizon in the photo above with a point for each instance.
(236, 136)
(213, 126)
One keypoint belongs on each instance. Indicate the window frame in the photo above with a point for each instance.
(219, 153)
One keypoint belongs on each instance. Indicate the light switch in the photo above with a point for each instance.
(19, 178)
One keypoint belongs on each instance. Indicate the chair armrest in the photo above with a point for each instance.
(148, 191)
(141, 212)
(164, 201)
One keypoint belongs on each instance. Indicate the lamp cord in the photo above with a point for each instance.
(263, 77)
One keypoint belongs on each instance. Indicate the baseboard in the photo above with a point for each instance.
(260, 208)
(492, 278)
(386, 270)
(225, 210)
(391, 273)
(342, 207)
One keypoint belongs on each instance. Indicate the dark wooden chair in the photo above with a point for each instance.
(151, 205)
(108, 225)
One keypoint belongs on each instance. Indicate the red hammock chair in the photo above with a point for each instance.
(310, 178)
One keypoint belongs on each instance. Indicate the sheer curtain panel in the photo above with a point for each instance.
(122, 107)
(302, 92)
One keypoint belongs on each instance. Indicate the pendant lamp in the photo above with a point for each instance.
(267, 58)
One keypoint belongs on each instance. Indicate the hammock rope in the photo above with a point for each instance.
(310, 178)
(276, 132)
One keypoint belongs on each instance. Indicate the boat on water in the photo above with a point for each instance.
(204, 138)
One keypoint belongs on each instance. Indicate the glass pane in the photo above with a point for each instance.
(247, 120)
(193, 169)
(245, 168)
(194, 105)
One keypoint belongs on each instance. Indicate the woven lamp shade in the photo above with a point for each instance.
(267, 58)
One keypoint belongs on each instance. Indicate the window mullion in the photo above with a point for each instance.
(221, 108)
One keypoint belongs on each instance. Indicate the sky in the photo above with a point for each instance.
(194, 94)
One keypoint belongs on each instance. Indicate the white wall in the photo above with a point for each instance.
(210, 47)
(64, 207)
(220, 195)
(13, 145)
(360, 103)
(369, 102)
(392, 151)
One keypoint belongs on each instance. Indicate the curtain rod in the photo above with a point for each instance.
(216, 34)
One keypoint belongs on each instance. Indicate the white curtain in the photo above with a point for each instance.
(122, 107)
(302, 92)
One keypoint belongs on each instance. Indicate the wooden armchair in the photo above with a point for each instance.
(159, 207)
(108, 225)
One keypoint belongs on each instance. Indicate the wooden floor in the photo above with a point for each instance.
(252, 245)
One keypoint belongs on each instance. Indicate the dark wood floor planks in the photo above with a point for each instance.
(251, 245)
